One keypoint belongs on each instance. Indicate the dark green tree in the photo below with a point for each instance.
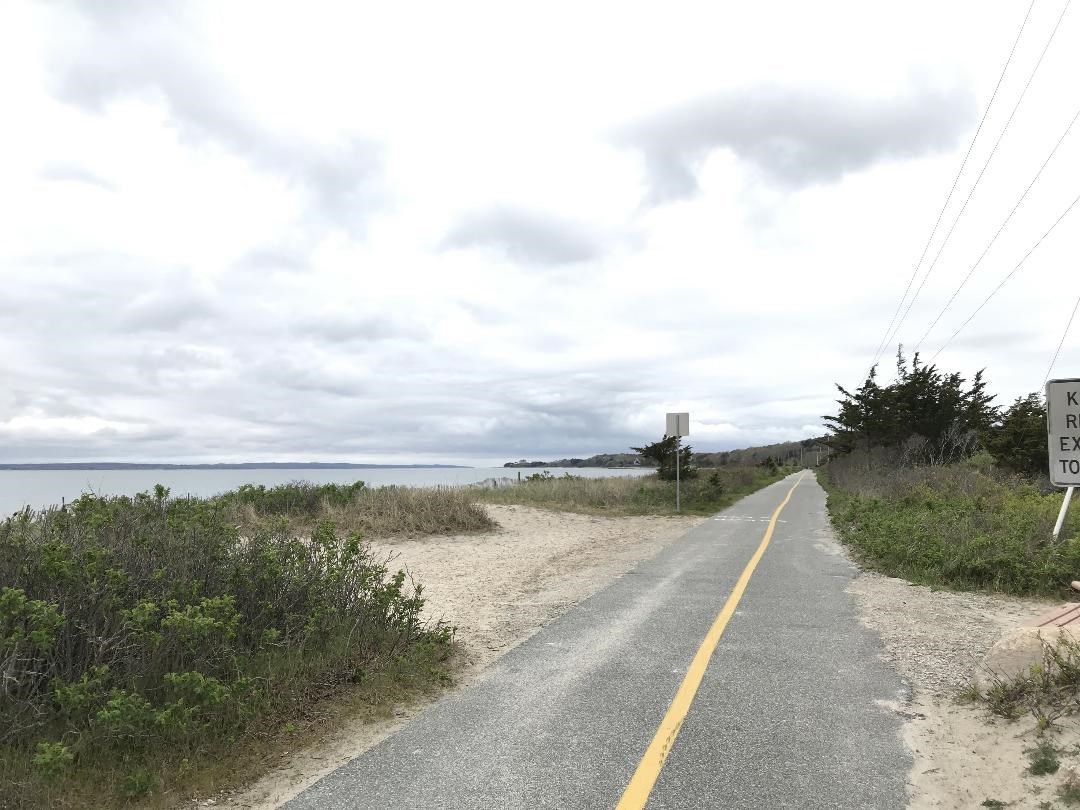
(1018, 442)
(663, 454)
(923, 408)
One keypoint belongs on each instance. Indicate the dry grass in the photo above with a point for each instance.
(394, 511)
(372, 512)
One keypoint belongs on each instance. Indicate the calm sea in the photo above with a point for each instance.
(39, 488)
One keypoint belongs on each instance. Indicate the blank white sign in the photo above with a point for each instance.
(678, 424)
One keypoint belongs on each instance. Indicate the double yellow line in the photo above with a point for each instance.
(648, 770)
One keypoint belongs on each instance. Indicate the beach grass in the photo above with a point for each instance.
(389, 511)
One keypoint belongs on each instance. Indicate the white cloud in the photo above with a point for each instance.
(254, 231)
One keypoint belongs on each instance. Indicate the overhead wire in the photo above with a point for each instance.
(1000, 229)
(956, 180)
(1061, 342)
(986, 165)
(1005, 280)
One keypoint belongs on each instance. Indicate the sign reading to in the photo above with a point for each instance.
(1063, 427)
(678, 424)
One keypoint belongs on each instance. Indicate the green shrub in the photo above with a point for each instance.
(956, 526)
(140, 630)
(138, 783)
(52, 759)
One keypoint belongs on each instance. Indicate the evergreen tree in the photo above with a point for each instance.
(663, 454)
(923, 408)
(1019, 441)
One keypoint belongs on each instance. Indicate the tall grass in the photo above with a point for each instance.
(373, 512)
(709, 492)
(141, 638)
(962, 526)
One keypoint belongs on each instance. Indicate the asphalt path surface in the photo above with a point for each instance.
(792, 711)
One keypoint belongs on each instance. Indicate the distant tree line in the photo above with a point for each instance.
(928, 416)
(599, 460)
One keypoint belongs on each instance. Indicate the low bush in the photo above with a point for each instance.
(140, 636)
(960, 526)
(709, 492)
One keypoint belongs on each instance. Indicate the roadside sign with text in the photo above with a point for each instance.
(1063, 427)
(678, 424)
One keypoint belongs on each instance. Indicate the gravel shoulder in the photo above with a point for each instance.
(963, 755)
(498, 588)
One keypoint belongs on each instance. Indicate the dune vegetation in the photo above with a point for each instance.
(149, 644)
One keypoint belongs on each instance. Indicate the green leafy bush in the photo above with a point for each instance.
(133, 629)
(957, 526)
(52, 759)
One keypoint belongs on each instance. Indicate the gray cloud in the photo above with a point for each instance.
(345, 328)
(274, 257)
(73, 173)
(526, 236)
(153, 53)
(794, 137)
(166, 309)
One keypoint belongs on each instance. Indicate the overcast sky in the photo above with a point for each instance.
(467, 232)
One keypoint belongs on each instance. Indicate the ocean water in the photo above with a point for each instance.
(40, 488)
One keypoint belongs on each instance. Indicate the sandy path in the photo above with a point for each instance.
(963, 755)
(498, 589)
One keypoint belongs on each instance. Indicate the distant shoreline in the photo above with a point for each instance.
(270, 465)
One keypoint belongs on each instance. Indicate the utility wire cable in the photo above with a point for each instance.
(1004, 223)
(1062, 341)
(956, 180)
(1005, 280)
(986, 165)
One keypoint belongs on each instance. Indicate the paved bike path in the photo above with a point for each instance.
(792, 710)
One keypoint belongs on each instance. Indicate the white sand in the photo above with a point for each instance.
(963, 755)
(498, 589)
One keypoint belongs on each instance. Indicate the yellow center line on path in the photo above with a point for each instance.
(648, 770)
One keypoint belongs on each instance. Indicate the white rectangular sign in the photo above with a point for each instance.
(1063, 427)
(678, 424)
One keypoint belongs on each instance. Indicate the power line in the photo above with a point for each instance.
(1005, 280)
(956, 180)
(986, 165)
(1006, 221)
(1062, 341)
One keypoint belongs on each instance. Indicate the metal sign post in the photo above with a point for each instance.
(1061, 514)
(1063, 435)
(678, 425)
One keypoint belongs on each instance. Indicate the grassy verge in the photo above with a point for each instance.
(962, 526)
(152, 646)
(705, 494)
